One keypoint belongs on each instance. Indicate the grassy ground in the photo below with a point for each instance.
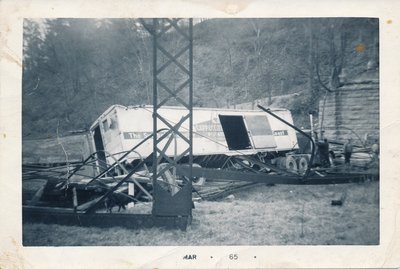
(263, 215)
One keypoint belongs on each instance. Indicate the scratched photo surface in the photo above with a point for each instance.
(278, 118)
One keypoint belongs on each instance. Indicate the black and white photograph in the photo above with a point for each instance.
(284, 139)
(202, 133)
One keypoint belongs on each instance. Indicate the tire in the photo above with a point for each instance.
(198, 181)
(291, 164)
(303, 165)
(280, 162)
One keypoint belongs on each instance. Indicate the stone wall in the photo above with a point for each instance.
(352, 111)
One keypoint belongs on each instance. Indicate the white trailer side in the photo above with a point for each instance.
(215, 131)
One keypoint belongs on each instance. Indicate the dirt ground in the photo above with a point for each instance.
(262, 215)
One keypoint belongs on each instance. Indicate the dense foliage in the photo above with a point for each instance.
(75, 68)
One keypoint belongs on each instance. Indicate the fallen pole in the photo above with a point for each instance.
(226, 175)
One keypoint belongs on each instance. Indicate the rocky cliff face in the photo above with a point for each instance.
(353, 110)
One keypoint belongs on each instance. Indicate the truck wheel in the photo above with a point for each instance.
(198, 181)
(280, 162)
(291, 164)
(303, 165)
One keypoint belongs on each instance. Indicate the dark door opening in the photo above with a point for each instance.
(235, 132)
(98, 143)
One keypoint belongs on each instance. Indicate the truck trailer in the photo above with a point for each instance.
(217, 133)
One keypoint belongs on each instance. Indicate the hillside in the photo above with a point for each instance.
(75, 68)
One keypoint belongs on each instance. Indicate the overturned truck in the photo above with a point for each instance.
(218, 134)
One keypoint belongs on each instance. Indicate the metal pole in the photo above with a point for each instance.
(191, 98)
(155, 99)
